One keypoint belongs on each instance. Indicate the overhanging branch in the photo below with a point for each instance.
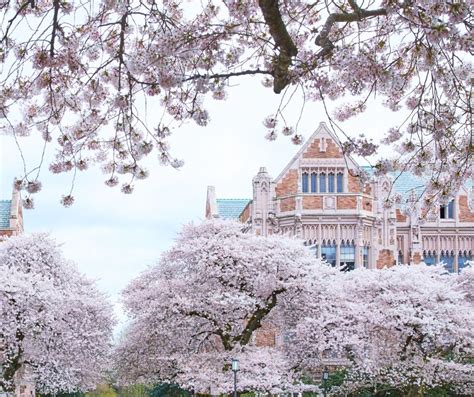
(359, 14)
(273, 19)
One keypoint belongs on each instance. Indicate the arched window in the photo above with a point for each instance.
(463, 259)
(429, 257)
(347, 257)
(328, 252)
(340, 182)
(447, 258)
(331, 182)
(305, 182)
(322, 183)
(313, 182)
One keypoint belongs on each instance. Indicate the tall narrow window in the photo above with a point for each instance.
(429, 257)
(328, 253)
(322, 183)
(331, 183)
(305, 182)
(447, 211)
(463, 259)
(451, 209)
(365, 257)
(447, 258)
(340, 180)
(347, 257)
(400, 257)
(313, 182)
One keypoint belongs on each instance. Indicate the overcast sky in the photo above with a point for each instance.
(113, 237)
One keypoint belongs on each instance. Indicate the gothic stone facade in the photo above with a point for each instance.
(320, 197)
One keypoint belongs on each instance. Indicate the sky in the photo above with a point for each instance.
(112, 237)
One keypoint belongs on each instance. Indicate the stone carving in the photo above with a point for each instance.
(329, 203)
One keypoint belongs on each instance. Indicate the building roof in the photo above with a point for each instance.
(5, 209)
(231, 208)
(405, 182)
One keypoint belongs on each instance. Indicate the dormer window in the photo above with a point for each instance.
(447, 211)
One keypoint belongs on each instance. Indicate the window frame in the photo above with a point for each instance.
(340, 182)
(331, 183)
(322, 182)
(314, 182)
(305, 182)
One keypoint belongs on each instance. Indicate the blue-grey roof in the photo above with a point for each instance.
(405, 182)
(5, 206)
(231, 208)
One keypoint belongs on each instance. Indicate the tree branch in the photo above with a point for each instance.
(255, 322)
(224, 75)
(359, 14)
(271, 14)
(55, 26)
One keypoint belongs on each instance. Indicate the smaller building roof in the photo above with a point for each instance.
(405, 182)
(231, 208)
(5, 211)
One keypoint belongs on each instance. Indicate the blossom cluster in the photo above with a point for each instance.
(218, 290)
(79, 73)
(55, 326)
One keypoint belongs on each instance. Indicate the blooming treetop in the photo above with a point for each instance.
(70, 69)
(203, 305)
(54, 323)
(408, 327)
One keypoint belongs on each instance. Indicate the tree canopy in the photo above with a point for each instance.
(81, 75)
(219, 293)
(55, 326)
(204, 303)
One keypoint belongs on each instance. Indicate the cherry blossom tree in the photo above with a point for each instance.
(81, 73)
(407, 328)
(55, 325)
(204, 303)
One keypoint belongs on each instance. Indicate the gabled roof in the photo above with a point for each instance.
(322, 129)
(5, 212)
(231, 208)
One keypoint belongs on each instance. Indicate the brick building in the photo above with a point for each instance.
(320, 198)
